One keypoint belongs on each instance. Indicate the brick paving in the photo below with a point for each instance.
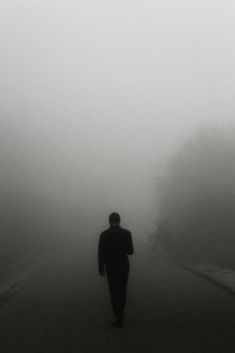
(64, 307)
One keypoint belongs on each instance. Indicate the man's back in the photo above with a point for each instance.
(114, 245)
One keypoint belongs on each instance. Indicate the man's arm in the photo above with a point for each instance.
(130, 247)
(101, 256)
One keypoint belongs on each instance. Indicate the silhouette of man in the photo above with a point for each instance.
(115, 244)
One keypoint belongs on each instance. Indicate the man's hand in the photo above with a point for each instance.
(102, 273)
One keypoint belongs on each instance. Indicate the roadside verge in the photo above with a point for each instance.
(224, 278)
(10, 286)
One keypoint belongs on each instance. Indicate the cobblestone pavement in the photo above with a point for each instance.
(64, 307)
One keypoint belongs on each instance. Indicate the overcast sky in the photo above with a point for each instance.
(95, 95)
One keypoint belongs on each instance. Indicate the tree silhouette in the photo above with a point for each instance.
(197, 198)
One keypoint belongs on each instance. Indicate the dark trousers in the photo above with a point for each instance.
(117, 282)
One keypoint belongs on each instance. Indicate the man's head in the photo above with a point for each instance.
(114, 219)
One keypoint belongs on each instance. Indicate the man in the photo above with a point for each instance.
(115, 244)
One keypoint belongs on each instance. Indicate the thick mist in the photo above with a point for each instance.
(197, 200)
(95, 97)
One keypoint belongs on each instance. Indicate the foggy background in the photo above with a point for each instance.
(96, 96)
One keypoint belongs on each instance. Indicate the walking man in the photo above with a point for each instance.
(115, 244)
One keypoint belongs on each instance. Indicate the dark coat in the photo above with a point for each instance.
(115, 244)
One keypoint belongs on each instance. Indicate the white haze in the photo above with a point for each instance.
(95, 95)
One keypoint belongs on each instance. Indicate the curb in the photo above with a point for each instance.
(205, 276)
(9, 286)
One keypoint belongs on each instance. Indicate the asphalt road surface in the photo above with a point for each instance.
(64, 307)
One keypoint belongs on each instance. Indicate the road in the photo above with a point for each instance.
(64, 307)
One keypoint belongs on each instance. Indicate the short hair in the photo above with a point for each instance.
(114, 218)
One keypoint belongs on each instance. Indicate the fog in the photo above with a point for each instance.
(95, 97)
(196, 199)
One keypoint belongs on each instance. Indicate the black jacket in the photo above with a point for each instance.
(115, 244)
